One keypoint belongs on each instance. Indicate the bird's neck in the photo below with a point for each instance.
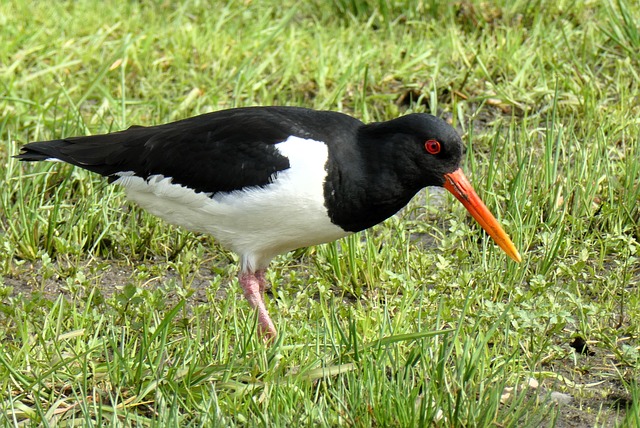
(363, 193)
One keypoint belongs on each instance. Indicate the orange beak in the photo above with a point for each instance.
(459, 185)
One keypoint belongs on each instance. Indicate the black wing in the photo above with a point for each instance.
(215, 152)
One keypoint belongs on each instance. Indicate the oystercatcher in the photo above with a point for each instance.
(267, 180)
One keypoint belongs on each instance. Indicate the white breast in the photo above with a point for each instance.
(258, 222)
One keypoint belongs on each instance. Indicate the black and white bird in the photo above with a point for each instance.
(267, 180)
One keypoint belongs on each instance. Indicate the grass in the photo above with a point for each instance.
(110, 317)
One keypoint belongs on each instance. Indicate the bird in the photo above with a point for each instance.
(266, 180)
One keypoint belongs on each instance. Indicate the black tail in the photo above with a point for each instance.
(105, 154)
(41, 151)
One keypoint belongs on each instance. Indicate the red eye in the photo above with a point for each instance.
(432, 146)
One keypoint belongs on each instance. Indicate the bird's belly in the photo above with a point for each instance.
(258, 223)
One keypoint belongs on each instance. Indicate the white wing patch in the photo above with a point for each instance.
(257, 222)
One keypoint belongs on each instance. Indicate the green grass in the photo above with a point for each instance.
(110, 317)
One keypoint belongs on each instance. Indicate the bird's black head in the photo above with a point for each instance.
(422, 148)
(415, 151)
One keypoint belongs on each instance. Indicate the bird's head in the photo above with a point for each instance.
(431, 152)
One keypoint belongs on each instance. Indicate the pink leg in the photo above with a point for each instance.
(253, 286)
(261, 280)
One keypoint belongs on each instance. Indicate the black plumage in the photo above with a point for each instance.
(214, 152)
(372, 179)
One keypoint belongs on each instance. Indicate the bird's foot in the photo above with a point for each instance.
(253, 286)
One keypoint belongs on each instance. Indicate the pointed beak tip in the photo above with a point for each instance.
(516, 256)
